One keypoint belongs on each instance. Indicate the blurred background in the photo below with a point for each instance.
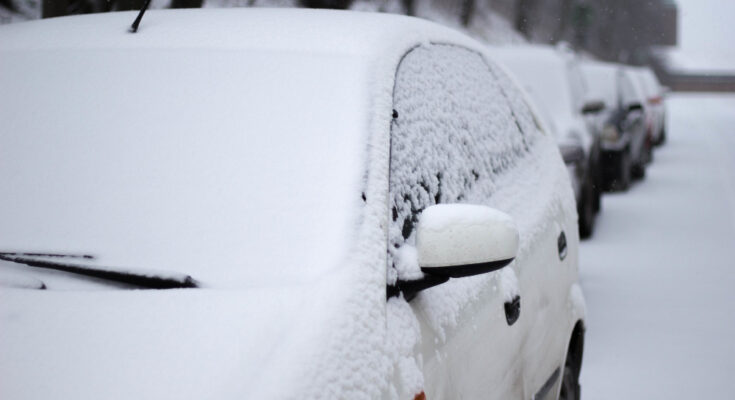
(686, 42)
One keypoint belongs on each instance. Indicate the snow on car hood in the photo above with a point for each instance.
(182, 344)
(236, 167)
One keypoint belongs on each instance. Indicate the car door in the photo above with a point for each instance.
(544, 202)
(455, 139)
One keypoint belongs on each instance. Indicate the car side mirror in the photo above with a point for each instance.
(593, 107)
(458, 240)
(633, 107)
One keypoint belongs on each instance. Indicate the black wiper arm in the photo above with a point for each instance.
(134, 26)
(142, 280)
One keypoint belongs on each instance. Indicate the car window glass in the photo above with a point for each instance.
(452, 134)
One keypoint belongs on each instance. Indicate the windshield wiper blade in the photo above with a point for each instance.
(138, 279)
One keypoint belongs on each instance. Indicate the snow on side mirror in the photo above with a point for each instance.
(456, 240)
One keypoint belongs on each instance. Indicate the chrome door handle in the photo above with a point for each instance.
(513, 310)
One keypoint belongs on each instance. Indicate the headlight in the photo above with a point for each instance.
(610, 134)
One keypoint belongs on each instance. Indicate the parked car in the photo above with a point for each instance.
(654, 93)
(553, 79)
(311, 200)
(621, 123)
(649, 115)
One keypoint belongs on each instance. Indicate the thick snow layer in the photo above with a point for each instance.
(498, 167)
(192, 344)
(458, 234)
(304, 310)
(443, 305)
(183, 162)
(17, 277)
(659, 274)
(203, 124)
(602, 82)
(444, 216)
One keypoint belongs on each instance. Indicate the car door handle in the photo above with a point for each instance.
(561, 243)
(513, 310)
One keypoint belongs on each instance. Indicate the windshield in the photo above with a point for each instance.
(545, 77)
(208, 163)
(601, 82)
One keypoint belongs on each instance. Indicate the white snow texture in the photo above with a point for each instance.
(317, 323)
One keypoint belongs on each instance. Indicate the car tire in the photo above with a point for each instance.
(638, 171)
(620, 176)
(586, 211)
(570, 389)
(622, 183)
(598, 187)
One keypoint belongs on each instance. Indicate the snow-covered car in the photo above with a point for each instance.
(649, 116)
(621, 123)
(318, 204)
(553, 79)
(654, 93)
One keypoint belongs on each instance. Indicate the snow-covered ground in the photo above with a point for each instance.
(659, 274)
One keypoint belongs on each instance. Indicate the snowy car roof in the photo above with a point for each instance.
(313, 31)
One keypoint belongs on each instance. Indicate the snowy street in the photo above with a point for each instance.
(659, 272)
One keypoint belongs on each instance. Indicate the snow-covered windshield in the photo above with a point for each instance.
(545, 77)
(601, 82)
(211, 163)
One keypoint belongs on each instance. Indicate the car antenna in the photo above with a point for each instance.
(134, 27)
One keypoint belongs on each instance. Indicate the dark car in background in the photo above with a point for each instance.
(622, 123)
